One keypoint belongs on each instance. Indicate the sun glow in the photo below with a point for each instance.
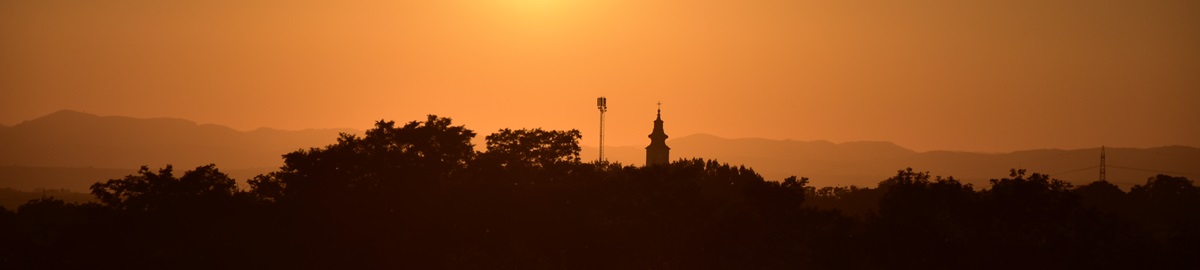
(545, 17)
(549, 9)
(537, 5)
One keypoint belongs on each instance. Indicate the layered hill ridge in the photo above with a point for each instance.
(71, 149)
(75, 139)
(867, 163)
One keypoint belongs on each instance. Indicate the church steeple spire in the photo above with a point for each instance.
(657, 153)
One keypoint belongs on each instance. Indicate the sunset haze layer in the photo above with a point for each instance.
(991, 76)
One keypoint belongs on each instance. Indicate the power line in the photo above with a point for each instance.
(1077, 170)
(1150, 170)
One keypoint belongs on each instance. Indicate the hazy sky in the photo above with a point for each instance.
(926, 74)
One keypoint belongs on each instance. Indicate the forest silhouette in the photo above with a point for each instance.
(419, 195)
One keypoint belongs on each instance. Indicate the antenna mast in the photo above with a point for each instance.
(602, 104)
(1102, 176)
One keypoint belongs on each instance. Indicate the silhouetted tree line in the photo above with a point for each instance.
(13, 198)
(419, 196)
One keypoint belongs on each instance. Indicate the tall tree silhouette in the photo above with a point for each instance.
(365, 194)
(919, 214)
(1104, 196)
(150, 191)
(387, 160)
(1170, 207)
(190, 221)
(534, 147)
(528, 156)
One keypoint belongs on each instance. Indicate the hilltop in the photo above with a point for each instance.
(867, 163)
(71, 149)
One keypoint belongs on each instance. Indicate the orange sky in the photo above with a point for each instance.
(926, 74)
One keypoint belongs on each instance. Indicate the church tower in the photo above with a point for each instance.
(658, 153)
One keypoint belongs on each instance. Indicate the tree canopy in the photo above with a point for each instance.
(421, 196)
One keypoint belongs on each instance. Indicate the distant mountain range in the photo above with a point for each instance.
(75, 147)
(70, 149)
(867, 163)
